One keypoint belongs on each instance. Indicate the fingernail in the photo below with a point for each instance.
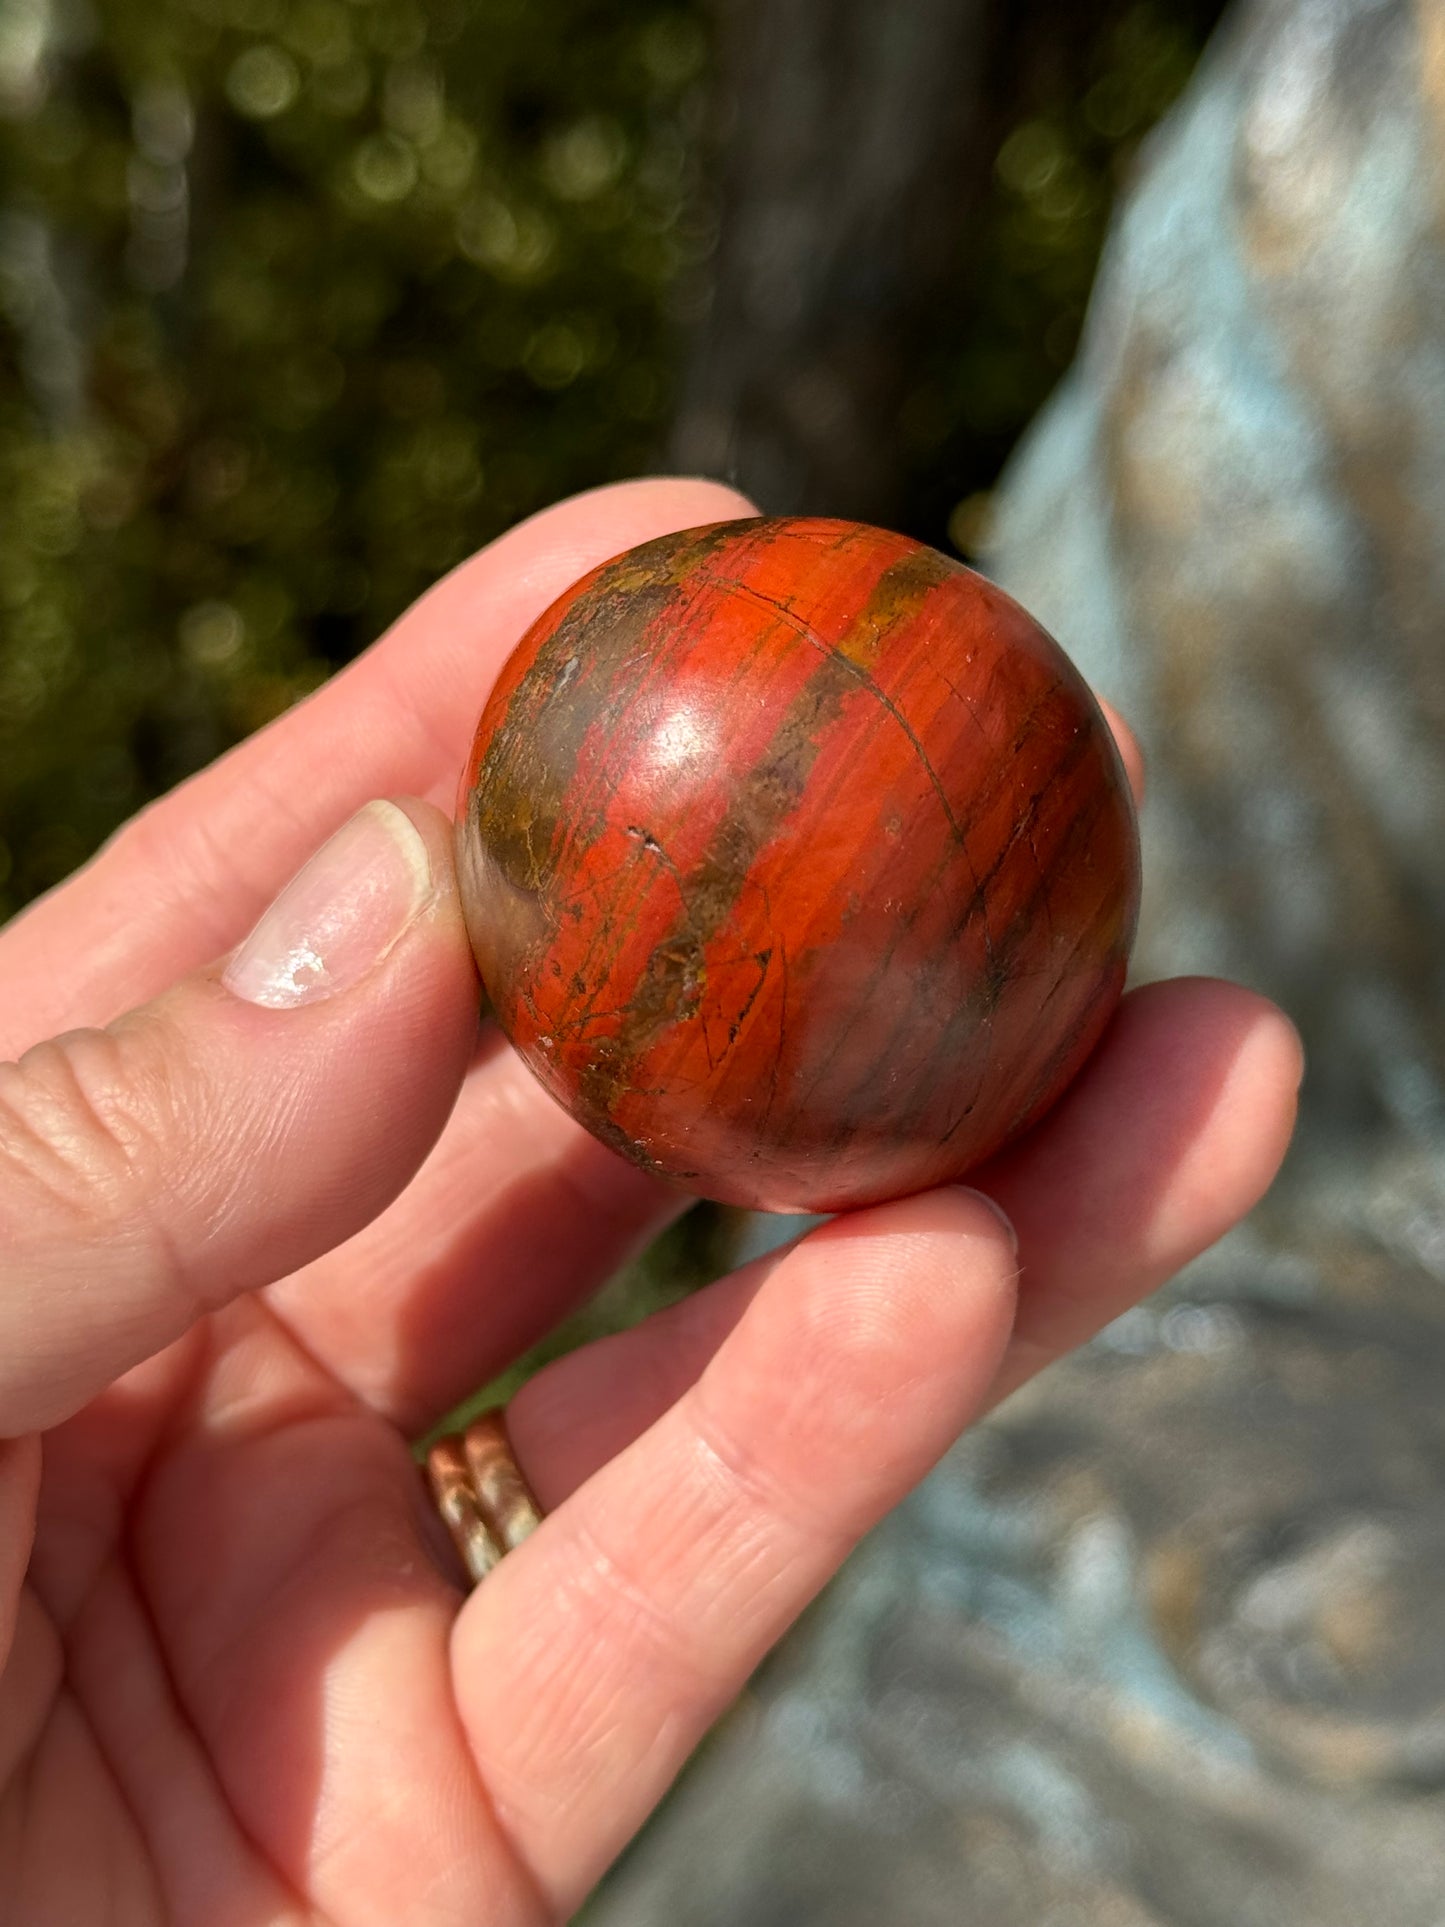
(967, 1191)
(337, 918)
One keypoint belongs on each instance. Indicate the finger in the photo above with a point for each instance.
(1173, 1132)
(580, 1411)
(233, 1129)
(1130, 754)
(183, 882)
(516, 1216)
(638, 1609)
(1171, 1135)
(272, 1643)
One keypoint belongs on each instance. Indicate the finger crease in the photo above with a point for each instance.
(741, 1466)
(598, 1569)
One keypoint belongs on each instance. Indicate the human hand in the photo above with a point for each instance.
(253, 1247)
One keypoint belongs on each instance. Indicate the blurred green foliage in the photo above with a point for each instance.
(300, 301)
(303, 300)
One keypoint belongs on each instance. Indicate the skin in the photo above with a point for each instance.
(251, 1252)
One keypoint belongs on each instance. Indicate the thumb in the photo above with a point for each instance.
(239, 1126)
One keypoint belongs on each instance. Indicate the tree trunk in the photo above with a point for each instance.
(855, 131)
(856, 144)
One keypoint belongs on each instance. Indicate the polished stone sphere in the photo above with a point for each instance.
(799, 862)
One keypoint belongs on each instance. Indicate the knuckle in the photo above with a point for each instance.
(85, 1121)
(748, 1469)
(614, 1593)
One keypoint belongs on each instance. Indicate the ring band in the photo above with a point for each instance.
(480, 1492)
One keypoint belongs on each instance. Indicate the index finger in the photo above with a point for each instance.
(186, 879)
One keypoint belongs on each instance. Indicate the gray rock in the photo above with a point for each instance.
(1234, 516)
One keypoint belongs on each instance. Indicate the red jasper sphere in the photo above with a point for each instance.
(799, 862)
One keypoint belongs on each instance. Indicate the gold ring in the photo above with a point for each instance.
(480, 1492)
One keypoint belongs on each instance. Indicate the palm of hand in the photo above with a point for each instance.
(243, 1684)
